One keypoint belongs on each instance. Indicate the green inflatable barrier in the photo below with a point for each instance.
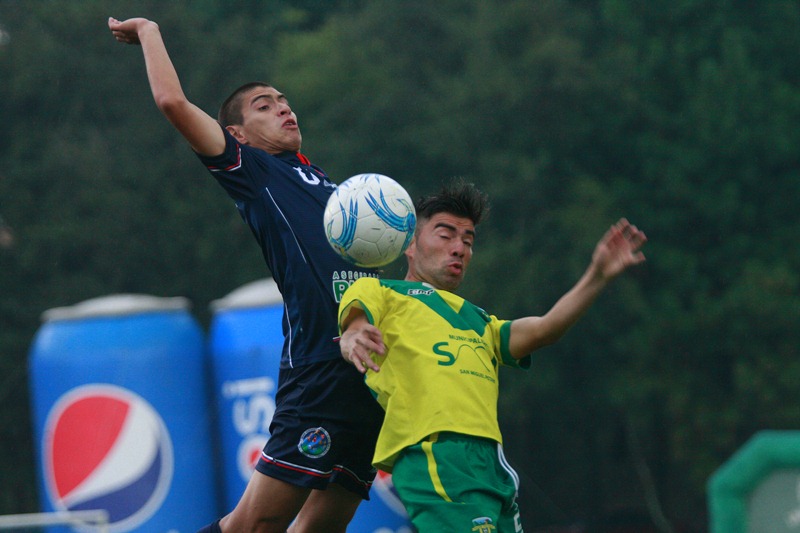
(758, 489)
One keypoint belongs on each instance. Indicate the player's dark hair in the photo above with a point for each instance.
(230, 112)
(456, 197)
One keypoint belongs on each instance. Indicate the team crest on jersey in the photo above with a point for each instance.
(483, 524)
(314, 442)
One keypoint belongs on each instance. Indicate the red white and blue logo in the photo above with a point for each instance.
(384, 488)
(107, 448)
(249, 453)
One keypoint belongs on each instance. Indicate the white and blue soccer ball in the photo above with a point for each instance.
(370, 220)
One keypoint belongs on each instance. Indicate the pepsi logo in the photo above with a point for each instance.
(384, 488)
(105, 447)
(249, 453)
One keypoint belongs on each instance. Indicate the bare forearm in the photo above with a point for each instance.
(201, 131)
(164, 82)
(534, 332)
(617, 251)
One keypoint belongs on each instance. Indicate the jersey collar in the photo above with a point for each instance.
(294, 157)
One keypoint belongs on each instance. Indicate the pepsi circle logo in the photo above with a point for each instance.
(384, 488)
(249, 453)
(105, 447)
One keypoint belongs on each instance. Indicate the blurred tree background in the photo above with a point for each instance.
(680, 115)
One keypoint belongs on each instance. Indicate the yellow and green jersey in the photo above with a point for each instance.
(440, 369)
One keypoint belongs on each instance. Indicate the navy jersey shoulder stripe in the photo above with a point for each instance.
(234, 166)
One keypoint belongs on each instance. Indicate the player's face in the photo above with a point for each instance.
(269, 122)
(441, 251)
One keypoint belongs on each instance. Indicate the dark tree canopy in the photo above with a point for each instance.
(680, 116)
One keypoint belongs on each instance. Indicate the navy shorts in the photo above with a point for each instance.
(324, 429)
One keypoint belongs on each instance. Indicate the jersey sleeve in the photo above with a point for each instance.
(363, 294)
(230, 170)
(502, 335)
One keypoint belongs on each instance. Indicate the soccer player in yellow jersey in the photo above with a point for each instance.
(432, 360)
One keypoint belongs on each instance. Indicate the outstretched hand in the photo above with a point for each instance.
(358, 341)
(127, 31)
(618, 249)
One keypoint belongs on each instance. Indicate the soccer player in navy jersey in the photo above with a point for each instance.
(315, 469)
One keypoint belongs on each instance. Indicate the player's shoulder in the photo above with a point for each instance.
(407, 288)
(366, 282)
(379, 285)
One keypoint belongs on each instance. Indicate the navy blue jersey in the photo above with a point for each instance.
(282, 197)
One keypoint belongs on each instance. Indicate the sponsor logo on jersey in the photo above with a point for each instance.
(342, 279)
(420, 292)
(107, 448)
(314, 442)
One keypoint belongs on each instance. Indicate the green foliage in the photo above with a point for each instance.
(679, 115)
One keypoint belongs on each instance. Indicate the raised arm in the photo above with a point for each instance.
(616, 251)
(201, 130)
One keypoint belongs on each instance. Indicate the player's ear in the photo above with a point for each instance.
(237, 133)
(412, 246)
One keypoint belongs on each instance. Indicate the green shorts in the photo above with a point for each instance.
(457, 483)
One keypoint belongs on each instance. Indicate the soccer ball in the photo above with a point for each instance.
(370, 220)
